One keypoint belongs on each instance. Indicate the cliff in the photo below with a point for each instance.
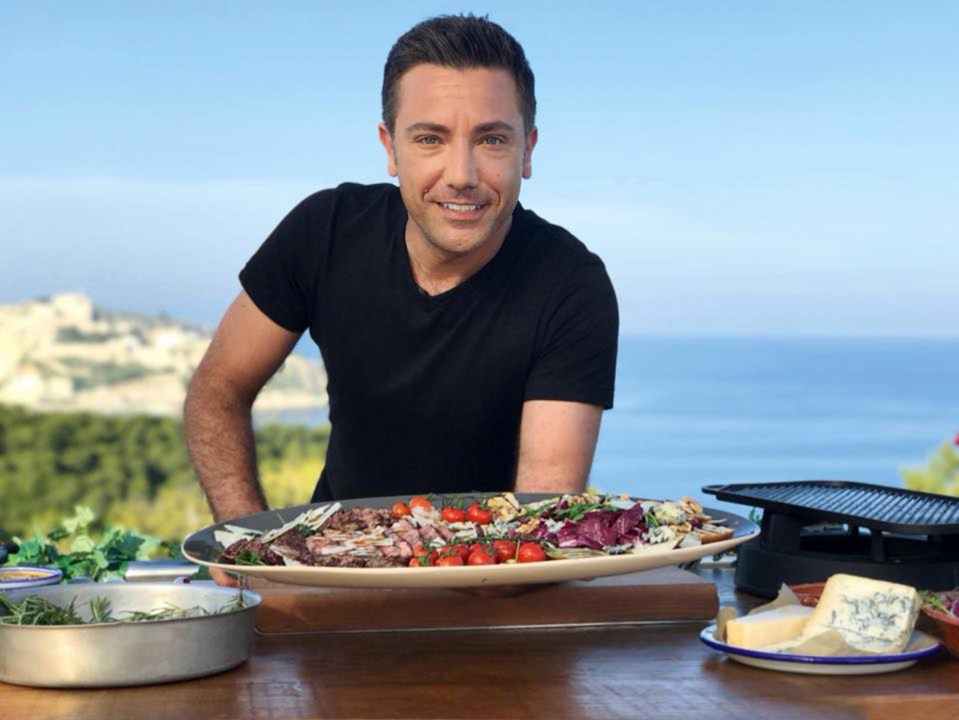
(62, 353)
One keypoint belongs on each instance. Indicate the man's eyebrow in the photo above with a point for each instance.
(426, 127)
(495, 126)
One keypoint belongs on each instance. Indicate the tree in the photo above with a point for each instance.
(941, 475)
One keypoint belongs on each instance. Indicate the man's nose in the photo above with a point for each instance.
(461, 170)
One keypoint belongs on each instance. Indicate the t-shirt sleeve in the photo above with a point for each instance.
(577, 357)
(280, 277)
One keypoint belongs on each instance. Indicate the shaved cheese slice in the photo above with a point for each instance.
(768, 628)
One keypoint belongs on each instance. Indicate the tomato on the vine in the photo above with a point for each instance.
(452, 515)
(461, 550)
(401, 510)
(448, 560)
(479, 515)
(530, 552)
(420, 551)
(479, 556)
(504, 550)
(420, 502)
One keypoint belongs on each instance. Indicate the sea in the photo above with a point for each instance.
(694, 412)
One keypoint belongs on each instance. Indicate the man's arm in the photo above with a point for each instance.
(557, 440)
(245, 352)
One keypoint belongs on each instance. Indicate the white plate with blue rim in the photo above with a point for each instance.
(20, 577)
(822, 664)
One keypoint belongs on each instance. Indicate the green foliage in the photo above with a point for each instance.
(131, 471)
(73, 334)
(84, 556)
(941, 475)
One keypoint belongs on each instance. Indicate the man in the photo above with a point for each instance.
(469, 345)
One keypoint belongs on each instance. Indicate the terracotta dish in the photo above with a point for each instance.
(946, 625)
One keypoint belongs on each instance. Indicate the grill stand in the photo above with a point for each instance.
(788, 551)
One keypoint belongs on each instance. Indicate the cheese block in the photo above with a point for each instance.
(871, 615)
(763, 629)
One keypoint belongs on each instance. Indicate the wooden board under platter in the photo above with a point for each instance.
(664, 594)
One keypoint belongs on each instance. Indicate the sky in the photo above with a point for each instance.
(743, 168)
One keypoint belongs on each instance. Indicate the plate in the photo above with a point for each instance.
(202, 548)
(16, 577)
(819, 664)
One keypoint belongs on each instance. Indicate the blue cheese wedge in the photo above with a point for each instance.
(764, 629)
(871, 615)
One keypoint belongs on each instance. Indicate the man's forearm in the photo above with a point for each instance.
(556, 446)
(219, 435)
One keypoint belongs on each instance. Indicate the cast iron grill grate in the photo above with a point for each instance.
(873, 506)
(812, 529)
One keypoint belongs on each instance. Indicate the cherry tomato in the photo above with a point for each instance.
(479, 515)
(453, 515)
(504, 550)
(414, 562)
(461, 550)
(419, 551)
(420, 502)
(480, 557)
(530, 552)
(449, 560)
(401, 510)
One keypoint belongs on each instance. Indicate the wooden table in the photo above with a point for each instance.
(656, 670)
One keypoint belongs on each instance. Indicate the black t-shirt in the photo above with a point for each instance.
(426, 392)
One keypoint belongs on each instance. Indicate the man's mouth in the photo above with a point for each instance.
(461, 207)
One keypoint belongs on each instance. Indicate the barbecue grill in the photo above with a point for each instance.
(812, 529)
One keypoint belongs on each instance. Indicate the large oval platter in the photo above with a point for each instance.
(202, 548)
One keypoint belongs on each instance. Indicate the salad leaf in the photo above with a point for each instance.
(99, 559)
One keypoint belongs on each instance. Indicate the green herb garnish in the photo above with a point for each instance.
(249, 557)
(34, 610)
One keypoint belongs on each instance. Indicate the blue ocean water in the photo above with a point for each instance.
(691, 412)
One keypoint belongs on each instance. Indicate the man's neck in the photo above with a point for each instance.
(437, 271)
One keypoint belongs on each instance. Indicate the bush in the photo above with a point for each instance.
(130, 471)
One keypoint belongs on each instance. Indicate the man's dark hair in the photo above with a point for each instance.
(461, 42)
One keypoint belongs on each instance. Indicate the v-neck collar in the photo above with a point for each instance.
(503, 255)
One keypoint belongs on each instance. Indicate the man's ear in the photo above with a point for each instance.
(387, 141)
(528, 153)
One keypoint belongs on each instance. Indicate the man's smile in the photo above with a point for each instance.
(462, 211)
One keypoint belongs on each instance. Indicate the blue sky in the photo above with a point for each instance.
(742, 167)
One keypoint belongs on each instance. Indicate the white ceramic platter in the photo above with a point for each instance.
(202, 548)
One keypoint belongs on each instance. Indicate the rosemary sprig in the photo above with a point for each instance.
(34, 610)
(237, 602)
(100, 611)
(167, 612)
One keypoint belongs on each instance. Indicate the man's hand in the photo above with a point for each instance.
(222, 577)
(245, 352)
(556, 445)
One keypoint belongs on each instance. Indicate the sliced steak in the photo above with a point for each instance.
(254, 545)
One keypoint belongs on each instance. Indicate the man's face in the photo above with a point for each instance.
(459, 151)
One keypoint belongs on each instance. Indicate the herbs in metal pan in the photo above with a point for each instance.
(35, 610)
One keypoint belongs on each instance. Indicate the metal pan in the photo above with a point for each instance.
(128, 653)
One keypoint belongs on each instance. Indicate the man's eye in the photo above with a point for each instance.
(428, 140)
(493, 140)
